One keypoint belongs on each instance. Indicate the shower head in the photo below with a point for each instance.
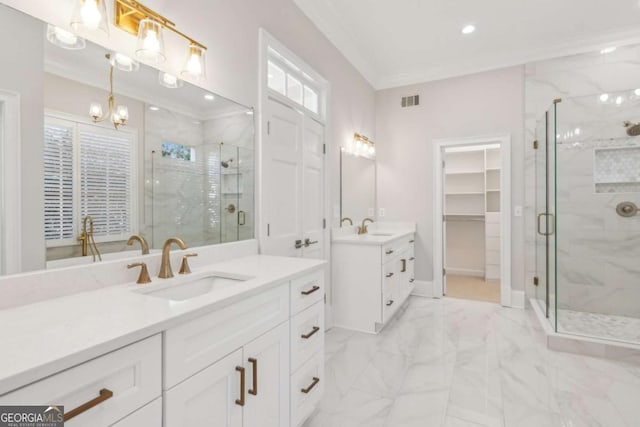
(633, 129)
(226, 164)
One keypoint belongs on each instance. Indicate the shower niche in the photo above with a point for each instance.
(617, 170)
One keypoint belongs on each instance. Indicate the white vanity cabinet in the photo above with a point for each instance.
(105, 390)
(372, 278)
(233, 367)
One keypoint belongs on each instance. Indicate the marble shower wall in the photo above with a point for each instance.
(598, 251)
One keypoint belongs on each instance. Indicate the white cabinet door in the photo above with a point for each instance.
(313, 189)
(266, 362)
(147, 416)
(282, 180)
(209, 397)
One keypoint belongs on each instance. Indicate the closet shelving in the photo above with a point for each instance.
(472, 211)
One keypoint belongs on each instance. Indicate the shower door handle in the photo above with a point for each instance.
(549, 217)
(242, 218)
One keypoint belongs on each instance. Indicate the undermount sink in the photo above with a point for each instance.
(182, 291)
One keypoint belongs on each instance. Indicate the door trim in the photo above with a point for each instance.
(505, 208)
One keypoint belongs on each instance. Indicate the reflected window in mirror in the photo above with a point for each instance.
(88, 170)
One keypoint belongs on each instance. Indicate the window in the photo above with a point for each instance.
(294, 88)
(88, 170)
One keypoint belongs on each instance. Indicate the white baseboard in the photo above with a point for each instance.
(465, 272)
(517, 299)
(423, 289)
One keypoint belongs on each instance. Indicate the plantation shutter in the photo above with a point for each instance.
(58, 181)
(105, 179)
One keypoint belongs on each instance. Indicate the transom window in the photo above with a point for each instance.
(88, 170)
(288, 80)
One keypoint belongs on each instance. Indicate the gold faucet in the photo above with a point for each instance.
(165, 266)
(346, 218)
(86, 239)
(144, 273)
(143, 243)
(363, 228)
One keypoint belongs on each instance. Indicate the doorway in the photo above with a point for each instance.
(471, 224)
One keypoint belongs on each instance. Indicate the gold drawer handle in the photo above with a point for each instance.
(412, 258)
(411, 241)
(254, 362)
(310, 334)
(389, 275)
(404, 266)
(389, 252)
(310, 291)
(316, 380)
(105, 394)
(390, 303)
(242, 378)
(412, 280)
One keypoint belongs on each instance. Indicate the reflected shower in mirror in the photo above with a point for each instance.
(357, 187)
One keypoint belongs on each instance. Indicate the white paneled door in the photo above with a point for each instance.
(293, 183)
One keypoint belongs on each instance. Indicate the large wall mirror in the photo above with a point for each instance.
(182, 164)
(357, 188)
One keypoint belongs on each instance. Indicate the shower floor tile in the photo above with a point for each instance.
(620, 328)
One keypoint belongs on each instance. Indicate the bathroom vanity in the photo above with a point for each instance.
(372, 276)
(235, 343)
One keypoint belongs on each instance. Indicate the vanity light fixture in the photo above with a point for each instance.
(361, 146)
(123, 62)
(64, 39)
(117, 114)
(169, 80)
(90, 15)
(148, 24)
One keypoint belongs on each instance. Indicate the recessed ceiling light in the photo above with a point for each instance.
(209, 97)
(468, 29)
(609, 49)
(249, 113)
(154, 108)
(637, 92)
(604, 97)
(619, 100)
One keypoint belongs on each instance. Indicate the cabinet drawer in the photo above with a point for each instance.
(389, 305)
(393, 250)
(147, 416)
(193, 346)
(389, 276)
(307, 387)
(133, 374)
(307, 334)
(306, 291)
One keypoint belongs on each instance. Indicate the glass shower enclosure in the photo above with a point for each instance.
(587, 164)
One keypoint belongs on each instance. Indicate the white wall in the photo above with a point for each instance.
(475, 105)
(21, 47)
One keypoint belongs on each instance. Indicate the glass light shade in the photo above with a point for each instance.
(95, 110)
(90, 15)
(150, 41)
(169, 80)
(64, 39)
(123, 62)
(122, 112)
(194, 65)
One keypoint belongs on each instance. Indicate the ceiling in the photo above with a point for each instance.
(399, 42)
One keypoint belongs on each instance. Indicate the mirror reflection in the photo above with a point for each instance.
(357, 188)
(128, 150)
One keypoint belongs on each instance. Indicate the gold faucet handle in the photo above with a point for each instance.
(144, 272)
(184, 267)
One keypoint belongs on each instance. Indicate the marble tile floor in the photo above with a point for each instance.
(458, 363)
(619, 328)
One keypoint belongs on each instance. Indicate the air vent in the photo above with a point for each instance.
(410, 101)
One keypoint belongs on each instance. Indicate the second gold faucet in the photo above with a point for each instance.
(165, 265)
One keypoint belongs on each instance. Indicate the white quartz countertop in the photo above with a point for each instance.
(40, 339)
(372, 238)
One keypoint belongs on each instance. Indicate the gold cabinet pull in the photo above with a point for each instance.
(389, 252)
(389, 275)
(390, 303)
(310, 334)
(105, 394)
(412, 258)
(242, 378)
(315, 381)
(412, 280)
(411, 241)
(254, 390)
(404, 266)
(310, 291)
